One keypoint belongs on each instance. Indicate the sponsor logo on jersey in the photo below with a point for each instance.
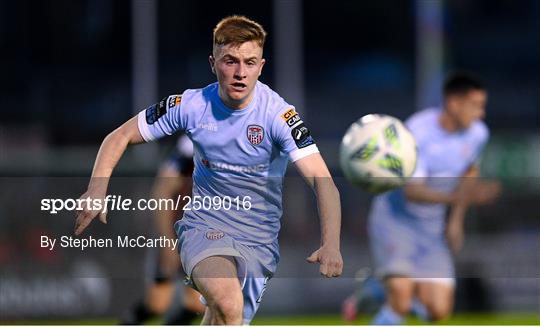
(288, 114)
(156, 111)
(223, 166)
(293, 120)
(255, 134)
(214, 235)
(305, 142)
(174, 100)
(211, 126)
(301, 136)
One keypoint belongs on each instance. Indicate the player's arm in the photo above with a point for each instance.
(317, 176)
(470, 191)
(109, 154)
(158, 120)
(454, 228)
(419, 192)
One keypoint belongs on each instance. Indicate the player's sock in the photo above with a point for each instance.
(419, 310)
(373, 293)
(387, 316)
(181, 316)
(136, 315)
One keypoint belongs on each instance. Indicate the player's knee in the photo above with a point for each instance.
(228, 308)
(400, 301)
(401, 307)
(400, 295)
(439, 312)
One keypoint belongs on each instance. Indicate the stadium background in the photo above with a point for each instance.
(74, 70)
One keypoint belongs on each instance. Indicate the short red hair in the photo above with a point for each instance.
(236, 30)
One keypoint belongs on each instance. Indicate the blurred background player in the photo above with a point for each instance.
(166, 294)
(411, 239)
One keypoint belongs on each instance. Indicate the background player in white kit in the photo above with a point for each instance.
(242, 133)
(407, 226)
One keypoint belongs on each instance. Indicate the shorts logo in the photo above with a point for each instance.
(174, 100)
(255, 134)
(288, 114)
(214, 235)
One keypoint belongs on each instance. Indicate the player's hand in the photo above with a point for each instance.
(330, 260)
(486, 192)
(476, 192)
(85, 216)
(455, 236)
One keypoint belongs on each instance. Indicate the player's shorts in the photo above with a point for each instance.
(399, 247)
(255, 264)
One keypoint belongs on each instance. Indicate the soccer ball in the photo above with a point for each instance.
(378, 153)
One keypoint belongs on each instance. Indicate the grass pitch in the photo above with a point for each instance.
(330, 319)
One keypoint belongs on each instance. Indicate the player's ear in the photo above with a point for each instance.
(263, 61)
(212, 62)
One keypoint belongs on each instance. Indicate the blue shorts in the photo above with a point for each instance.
(255, 264)
(399, 247)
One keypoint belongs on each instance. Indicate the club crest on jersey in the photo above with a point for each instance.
(214, 235)
(255, 134)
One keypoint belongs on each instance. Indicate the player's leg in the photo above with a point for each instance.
(216, 278)
(207, 317)
(367, 298)
(435, 285)
(186, 306)
(192, 300)
(437, 295)
(393, 248)
(136, 314)
(155, 302)
(399, 293)
(159, 297)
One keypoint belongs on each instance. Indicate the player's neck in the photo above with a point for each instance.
(447, 122)
(235, 104)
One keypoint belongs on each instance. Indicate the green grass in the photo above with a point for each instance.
(458, 319)
(331, 319)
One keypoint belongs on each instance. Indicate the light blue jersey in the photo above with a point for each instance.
(238, 154)
(408, 236)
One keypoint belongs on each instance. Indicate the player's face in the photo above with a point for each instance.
(237, 69)
(470, 107)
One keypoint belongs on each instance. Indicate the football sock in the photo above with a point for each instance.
(419, 310)
(136, 315)
(387, 316)
(181, 316)
(371, 295)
